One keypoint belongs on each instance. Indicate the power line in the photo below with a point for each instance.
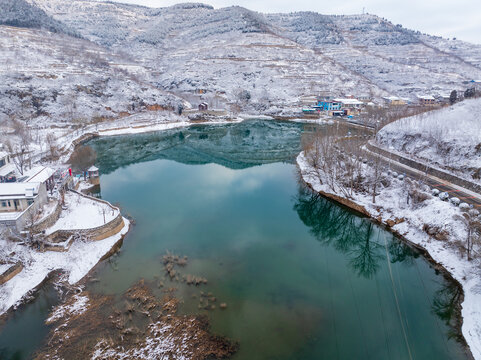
(397, 301)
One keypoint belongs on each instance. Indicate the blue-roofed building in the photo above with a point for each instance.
(326, 105)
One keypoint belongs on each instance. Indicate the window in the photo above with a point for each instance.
(30, 202)
(4, 204)
(2, 162)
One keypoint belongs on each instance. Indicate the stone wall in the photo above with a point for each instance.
(94, 234)
(84, 138)
(98, 233)
(49, 220)
(11, 272)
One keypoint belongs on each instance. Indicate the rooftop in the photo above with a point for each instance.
(349, 101)
(38, 174)
(10, 191)
(426, 97)
(7, 169)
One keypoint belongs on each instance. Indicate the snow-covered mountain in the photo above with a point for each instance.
(23, 14)
(263, 62)
(449, 138)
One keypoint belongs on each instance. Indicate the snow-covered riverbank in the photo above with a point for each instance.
(75, 263)
(391, 208)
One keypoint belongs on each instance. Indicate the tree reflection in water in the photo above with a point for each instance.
(446, 306)
(355, 237)
(334, 226)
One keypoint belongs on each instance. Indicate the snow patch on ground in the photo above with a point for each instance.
(4, 267)
(390, 204)
(76, 263)
(160, 342)
(82, 213)
(77, 307)
(449, 138)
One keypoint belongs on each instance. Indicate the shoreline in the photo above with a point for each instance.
(29, 292)
(350, 204)
(460, 323)
(34, 278)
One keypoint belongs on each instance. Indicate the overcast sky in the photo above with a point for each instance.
(448, 18)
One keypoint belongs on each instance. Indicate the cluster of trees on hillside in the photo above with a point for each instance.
(22, 14)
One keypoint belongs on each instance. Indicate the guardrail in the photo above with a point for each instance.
(424, 168)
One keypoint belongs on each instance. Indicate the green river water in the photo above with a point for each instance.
(302, 277)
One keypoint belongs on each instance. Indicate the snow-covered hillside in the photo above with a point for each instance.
(130, 56)
(23, 14)
(57, 78)
(275, 57)
(449, 138)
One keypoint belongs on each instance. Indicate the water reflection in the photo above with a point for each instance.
(446, 306)
(355, 237)
(235, 146)
(333, 225)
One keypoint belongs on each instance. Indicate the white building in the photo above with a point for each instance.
(40, 174)
(394, 100)
(20, 200)
(426, 100)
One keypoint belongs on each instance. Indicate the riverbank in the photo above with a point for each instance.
(74, 262)
(413, 224)
(81, 257)
(135, 124)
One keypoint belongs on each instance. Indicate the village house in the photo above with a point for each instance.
(327, 105)
(40, 174)
(23, 198)
(7, 169)
(17, 197)
(203, 106)
(443, 98)
(426, 100)
(394, 101)
(350, 105)
(19, 202)
(476, 84)
(365, 98)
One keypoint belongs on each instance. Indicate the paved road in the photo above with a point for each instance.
(453, 190)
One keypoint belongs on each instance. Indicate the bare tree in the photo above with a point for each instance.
(473, 227)
(51, 141)
(375, 176)
(20, 153)
(82, 158)
(335, 162)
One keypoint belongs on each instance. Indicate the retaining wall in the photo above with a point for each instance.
(49, 220)
(98, 233)
(423, 167)
(11, 272)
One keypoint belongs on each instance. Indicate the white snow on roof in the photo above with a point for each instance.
(392, 98)
(38, 174)
(18, 190)
(7, 169)
(3, 154)
(93, 168)
(10, 215)
(349, 101)
(426, 97)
